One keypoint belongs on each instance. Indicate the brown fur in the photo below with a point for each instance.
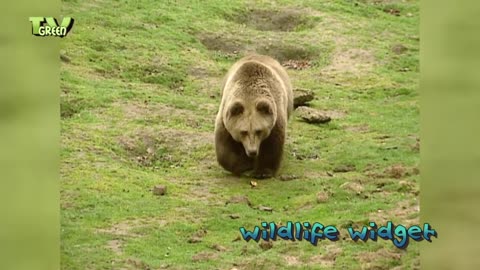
(251, 123)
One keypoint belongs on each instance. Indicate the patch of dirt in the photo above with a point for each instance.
(399, 48)
(334, 114)
(239, 199)
(200, 193)
(395, 171)
(211, 87)
(322, 197)
(284, 20)
(376, 259)
(328, 259)
(218, 248)
(136, 264)
(200, 71)
(409, 186)
(354, 224)
(222, 43)
(392, 11)
(297, 64)
(68, 199)
(127, 227)
(204, 256)
(266, 245)
(295, 55)
(292, 260)
(156, 112)
(354, 61)
(321, 261)
(405, 212)
(305, 206)
(358, 128)
(316, 175)
(165, 147)
(115, 246)
(344, 168)
(155, 70)
(287, 53)
(352, 186)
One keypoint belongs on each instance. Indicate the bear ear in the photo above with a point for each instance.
(235, 109)
(264, 107)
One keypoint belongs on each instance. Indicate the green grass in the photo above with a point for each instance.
(138, 103)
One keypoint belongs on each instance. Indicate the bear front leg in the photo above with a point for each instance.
(230, 153)
(270, 157)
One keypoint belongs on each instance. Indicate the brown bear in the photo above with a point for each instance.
(251, 123)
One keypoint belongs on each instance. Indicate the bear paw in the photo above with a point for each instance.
(263, 175)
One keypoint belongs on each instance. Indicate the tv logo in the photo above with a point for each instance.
(48, 26)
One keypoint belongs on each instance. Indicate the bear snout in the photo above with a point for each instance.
(252, 152)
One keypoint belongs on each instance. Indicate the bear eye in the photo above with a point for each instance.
(258, 132)
(244, 133)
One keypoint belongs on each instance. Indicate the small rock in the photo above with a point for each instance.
(312, 116)
(234, 216)
(253, 184)
(322, 197)
(266, 245)
(218, 247)
(194, 239)
(159, 190)
(302, 96)
(355, 187)
(265, 208)
(288, 177)
(64, 58)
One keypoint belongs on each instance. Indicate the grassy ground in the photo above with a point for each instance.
(140, 90)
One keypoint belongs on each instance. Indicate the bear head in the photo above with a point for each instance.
(250, 122)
